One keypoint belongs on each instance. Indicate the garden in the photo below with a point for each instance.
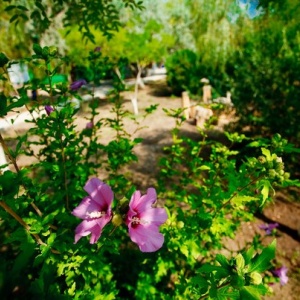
(125, 171)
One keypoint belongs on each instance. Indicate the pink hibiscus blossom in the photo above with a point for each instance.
(94, 210)
(143, 221)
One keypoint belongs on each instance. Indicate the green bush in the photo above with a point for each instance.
(183, 72)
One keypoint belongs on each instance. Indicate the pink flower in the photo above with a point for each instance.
(143, 221)
(49, 109)
(94, 210)
(282, 274)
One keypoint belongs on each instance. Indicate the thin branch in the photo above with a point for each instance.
(21, 221)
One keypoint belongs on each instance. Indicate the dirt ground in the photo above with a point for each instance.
(156, 134)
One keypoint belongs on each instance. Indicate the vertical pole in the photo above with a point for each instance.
(185, 104)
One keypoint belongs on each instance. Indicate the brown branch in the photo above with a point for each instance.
(21, 221)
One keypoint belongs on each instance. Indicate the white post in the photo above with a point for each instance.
(185, 104)
(206, 93)
(3, 160)
(135, 105)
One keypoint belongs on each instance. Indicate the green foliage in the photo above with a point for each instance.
(208, 187)
(236, 278)
(183, 72)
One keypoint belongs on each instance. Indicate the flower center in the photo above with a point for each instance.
(136, 221)
(95, 214)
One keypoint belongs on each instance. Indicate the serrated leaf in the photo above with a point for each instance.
(261, 262)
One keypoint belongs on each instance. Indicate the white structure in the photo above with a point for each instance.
(223, 100)
(202, 114)
(3, 160)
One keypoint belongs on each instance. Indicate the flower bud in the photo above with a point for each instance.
(262, 159)
(180, 225)
(53, 50)
(255, 278)
(272, 173)
(117, 220)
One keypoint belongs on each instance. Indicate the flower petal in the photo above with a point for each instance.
(87, 227)
(148, 238)
(85, 209)
(100, 192)
(140, 203)
(93, 227)
(155, 216)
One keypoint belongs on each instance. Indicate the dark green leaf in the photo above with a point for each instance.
(13, 18)
(262, 262)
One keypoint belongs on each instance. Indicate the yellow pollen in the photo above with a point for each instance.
(96, 214)
(136, 220)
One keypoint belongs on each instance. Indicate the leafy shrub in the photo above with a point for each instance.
(183, 72)
(206, 198)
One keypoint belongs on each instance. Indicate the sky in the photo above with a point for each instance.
(251, 7)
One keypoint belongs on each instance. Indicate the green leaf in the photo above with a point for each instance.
(13, 18)
(248, 255)
(6, 185)
(3, 61)
(266, 153)
(21, 7)
(204, 168)
(222, 260)
(252, 292)
(220, 271)
(225, 294)
(266, 186)
(239, 200)
(261, 262)
(3, 104)
(10, 7)
(37, 49)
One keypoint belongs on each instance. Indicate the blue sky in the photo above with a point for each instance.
(251, 7)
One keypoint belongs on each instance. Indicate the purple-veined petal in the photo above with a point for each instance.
(155, 216)
(99, 192)
(87, 227)
(87, 209)
(140, 203)
(93, 227)
(148, 238)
